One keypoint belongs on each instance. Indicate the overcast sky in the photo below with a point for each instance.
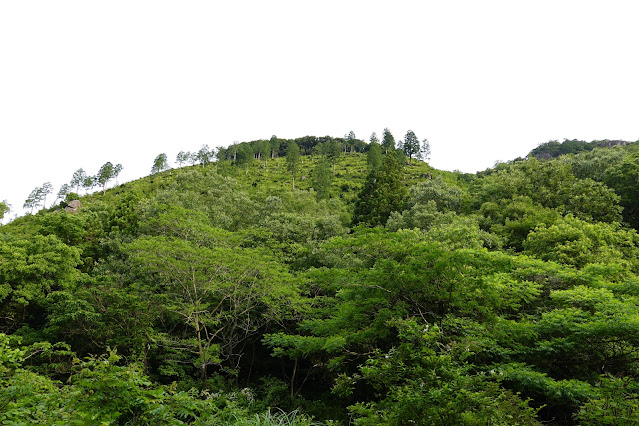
(85, 82)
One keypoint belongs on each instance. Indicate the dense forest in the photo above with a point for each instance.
(328, 281)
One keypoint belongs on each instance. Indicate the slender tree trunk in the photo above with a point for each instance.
(293, 377)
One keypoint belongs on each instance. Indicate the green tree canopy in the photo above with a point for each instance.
(388, 140)
(292, 159)
(322, 178)
(105, 174)
(5, 208)
(374, 156)
(160, 164)
(383, 193)
(411, 146)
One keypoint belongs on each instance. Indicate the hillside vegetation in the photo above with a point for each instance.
(330, 282)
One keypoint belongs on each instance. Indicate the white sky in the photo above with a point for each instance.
(85, 82)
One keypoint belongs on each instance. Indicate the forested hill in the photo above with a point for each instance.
(335, 283)
(553, 149)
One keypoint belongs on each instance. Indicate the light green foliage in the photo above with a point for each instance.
(47, 188)
(424, 152)
(182, 157)
(446, 197)
(106, 173)
(204, 155)
(63, 191)
(421, 216)
(4, 209)
(30, 270)
(38, 196)
(594, 164)
(456, 232)
(88, 183)
(33, 200)
(434, 203)
(160, 164)
(552, 185)
(78, 179)
(217, 197)
(575, 242)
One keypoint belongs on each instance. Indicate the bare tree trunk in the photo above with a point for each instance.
(293, 377)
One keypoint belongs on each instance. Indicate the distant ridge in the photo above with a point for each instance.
(553, 149)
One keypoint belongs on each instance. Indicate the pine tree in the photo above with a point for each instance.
(292, 159)
(106, 173)
(383, 193)
(374, 156)
(411, 146)
(425, 150)
(388, 141)
(322, 178)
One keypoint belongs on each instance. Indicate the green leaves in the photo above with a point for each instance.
(29, 271)
(575, 242)
(383, 193)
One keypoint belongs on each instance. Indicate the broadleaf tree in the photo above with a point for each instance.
(5, 208)
(78, 179)
(160, 164)
(105, 174)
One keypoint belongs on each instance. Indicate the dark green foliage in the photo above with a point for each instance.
(624, 179)
(383, 193)
(292, 159)
(553, 149)
(411, 146)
